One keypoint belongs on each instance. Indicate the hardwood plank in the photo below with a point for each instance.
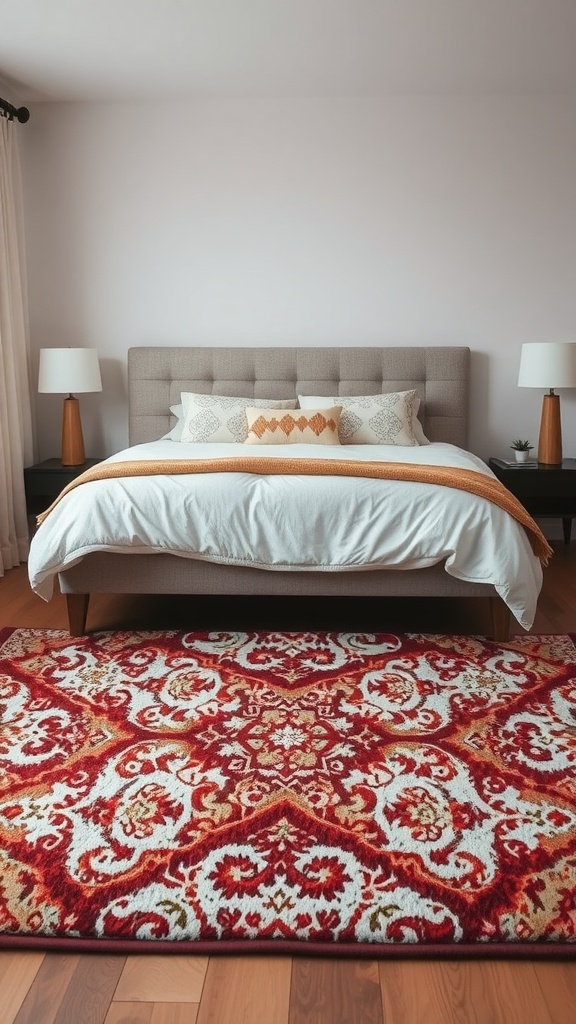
(326, 991)
(162, 979)
(251, 990)
(557, 982)
(518, 994)
(17, 974)
(174, 1013)
(90, 991)
(48, 989)
(21, 607)
(130, 1013)
(461, 992)
(424, 992)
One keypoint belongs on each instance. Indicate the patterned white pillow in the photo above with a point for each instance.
(220, 418)
(375, 419)
(310, 426)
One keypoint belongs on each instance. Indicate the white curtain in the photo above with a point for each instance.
(15, 410)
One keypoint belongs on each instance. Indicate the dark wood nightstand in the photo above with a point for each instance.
(45, 480)
(543, 490)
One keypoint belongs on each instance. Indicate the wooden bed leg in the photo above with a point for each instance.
(500, 619)
(77, 613)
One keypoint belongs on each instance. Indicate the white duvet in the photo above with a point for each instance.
(294, 523)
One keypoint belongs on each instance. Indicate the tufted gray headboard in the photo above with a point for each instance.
(157, 375)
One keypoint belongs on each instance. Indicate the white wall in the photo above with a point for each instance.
(410, 221)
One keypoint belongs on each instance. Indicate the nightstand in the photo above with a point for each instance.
(45, 480)
(544, 490)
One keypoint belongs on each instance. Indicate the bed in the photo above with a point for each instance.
(157, 376)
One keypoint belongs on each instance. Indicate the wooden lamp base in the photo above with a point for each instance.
(72, 441)
(550, 441)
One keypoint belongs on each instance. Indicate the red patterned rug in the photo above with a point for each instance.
(343, 793)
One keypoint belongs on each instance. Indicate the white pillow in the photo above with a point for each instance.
(175, 433)
(375, 419)
(220, 418)
(302, 426)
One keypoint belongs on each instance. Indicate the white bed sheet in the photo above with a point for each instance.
(298, 523)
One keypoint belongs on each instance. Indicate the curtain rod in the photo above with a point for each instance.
(10, 111)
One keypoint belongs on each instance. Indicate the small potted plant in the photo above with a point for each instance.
(522, 450)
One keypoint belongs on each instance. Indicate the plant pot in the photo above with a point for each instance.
(522, 456)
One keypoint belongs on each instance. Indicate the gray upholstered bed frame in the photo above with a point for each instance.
(156, 376)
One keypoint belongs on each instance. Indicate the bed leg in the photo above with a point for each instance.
(500, 619)
(77, 613)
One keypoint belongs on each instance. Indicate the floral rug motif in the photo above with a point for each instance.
(317, 792)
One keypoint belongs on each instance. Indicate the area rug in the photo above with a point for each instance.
(333, 793)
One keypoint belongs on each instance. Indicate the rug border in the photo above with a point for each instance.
(288, 947)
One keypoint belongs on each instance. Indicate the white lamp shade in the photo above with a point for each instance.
(548, 365)
(69, 370)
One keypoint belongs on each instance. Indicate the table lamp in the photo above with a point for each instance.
(549, 365)
(62, 371)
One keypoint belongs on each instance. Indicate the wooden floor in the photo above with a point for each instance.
(57, 988)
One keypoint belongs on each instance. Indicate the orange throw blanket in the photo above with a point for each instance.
(462, 479)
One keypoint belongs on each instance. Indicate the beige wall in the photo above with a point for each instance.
(408, 221)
